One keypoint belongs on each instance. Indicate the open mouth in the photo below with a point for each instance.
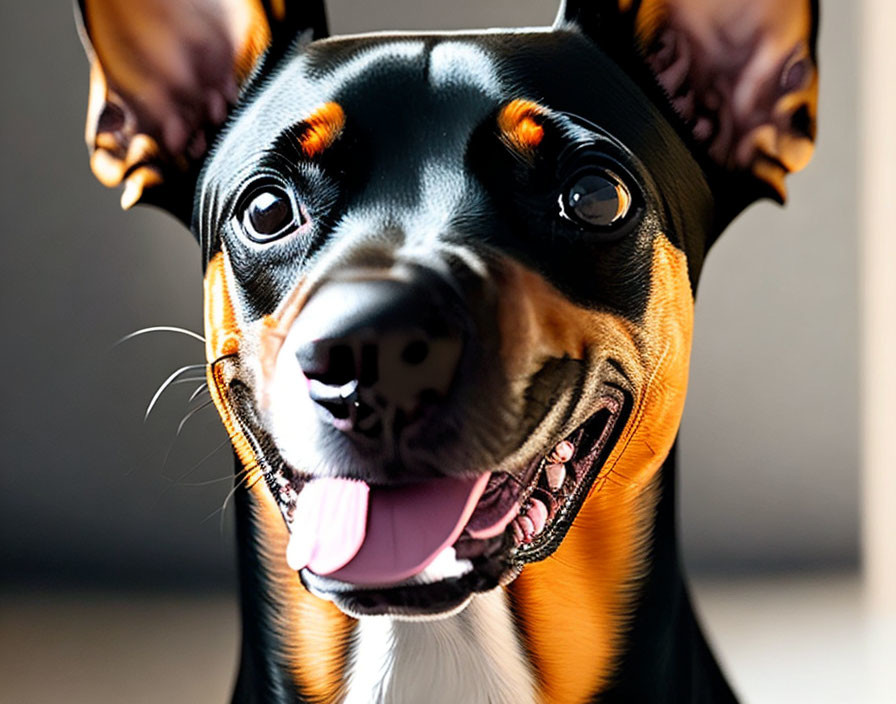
(424, 549)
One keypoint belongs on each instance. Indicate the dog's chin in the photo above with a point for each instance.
(477, 563)
(409, 601)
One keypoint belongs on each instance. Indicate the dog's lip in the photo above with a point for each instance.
(545, 511)
(483, 563)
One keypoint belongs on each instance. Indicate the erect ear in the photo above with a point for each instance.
(164, 75)
(740, 74)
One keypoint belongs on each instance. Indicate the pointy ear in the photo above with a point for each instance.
(741, 76)
(164, 74)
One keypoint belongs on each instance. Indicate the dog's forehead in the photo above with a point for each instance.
(412, 94)
(395, 91)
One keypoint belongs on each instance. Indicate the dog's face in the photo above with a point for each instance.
(449, 278)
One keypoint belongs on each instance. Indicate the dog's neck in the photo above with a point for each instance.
(473, 657)
(586, 621)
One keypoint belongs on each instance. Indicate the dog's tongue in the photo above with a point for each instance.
(350, 531)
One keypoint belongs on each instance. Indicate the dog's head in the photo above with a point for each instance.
(449, 277)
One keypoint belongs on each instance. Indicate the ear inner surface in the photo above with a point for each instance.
(164, 75)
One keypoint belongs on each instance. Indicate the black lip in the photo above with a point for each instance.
(596, 455)
(409, 600)
(497, 567)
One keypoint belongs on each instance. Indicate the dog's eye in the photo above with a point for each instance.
(269, 214)
(595, 199)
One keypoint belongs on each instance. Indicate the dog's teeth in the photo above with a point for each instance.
(518, 534)
(556, 474)
(703, 129)
(538, 515)
(562, 452)
(527, 527)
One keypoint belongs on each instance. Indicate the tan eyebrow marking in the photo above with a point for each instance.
(321, 129)
(520, 124)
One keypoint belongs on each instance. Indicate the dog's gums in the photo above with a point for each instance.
(421, 549)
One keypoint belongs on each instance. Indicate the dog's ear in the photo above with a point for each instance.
(740, 75)
(164, 75)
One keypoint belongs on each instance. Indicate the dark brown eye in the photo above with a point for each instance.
(269, 214)
(596, 199)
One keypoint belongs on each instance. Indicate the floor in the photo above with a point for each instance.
(788, 640)
(800, 640)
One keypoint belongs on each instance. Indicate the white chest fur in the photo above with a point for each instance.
(473, 657)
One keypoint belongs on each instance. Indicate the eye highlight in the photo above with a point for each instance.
(269, 213)
(595, 199)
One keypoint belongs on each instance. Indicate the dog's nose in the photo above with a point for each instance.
(380, 353)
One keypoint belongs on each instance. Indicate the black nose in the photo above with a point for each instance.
(380, 353)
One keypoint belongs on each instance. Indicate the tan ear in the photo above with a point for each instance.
(741, 74)
(164, 75)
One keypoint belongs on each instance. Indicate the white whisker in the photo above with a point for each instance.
(167, 383)
(188, 380)
(202, 387)
(161, 328)
(189, 415)
(173, 482)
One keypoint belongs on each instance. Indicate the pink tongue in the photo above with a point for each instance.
(346, 530)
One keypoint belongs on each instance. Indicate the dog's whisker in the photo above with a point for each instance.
(177, 481)
(241, 480)
(208, 482)
(245, 481)
(160, 328)
(183, 421)
(202, 387)
(188, 380)
(180, 427)
(165, 384)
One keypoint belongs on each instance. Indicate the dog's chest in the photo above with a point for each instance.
(474, 657)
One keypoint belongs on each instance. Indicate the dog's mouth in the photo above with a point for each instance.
(424, 549)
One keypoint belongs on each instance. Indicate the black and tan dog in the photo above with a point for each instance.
(449, 290)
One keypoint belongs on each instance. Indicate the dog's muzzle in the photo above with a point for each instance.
(397, 514)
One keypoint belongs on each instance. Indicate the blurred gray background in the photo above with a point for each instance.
(770, 439)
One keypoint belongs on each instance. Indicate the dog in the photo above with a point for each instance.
(449, 290)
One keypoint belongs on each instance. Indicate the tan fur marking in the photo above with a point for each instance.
(222, 335)
(520, 125)
(574, 605)
(222, 341)
(668, 327)
(321, 129)
(536, 317)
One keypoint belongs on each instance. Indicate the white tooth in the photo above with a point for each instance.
(538, 514)
(445, 566)
(555, 474)
(562, 452)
